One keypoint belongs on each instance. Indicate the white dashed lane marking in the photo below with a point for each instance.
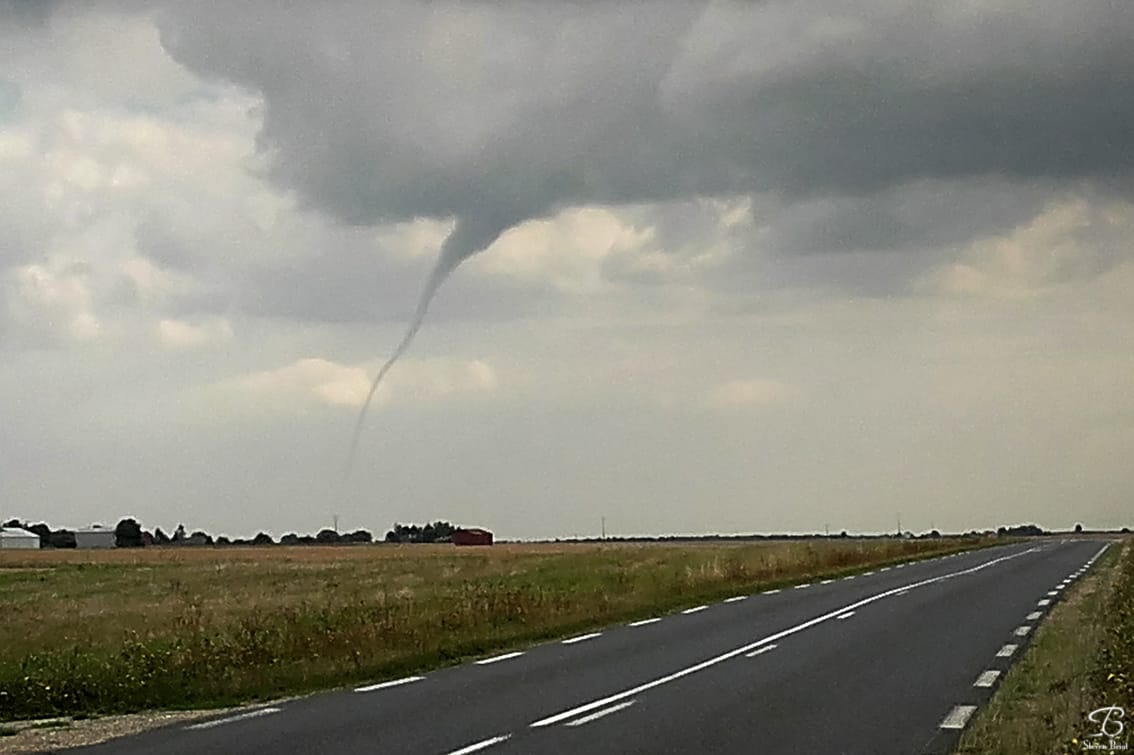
(600, 714)
(695, 609)
(644, 622)
(498, 658)
(987, 679)
(1044, 602)
(804, 586)
(958, 717)
(760, 651)
(394, 683)
(233, 719)
(1034, 615)
(1006, 651)
(481, 745)
(1022, 631)
(737, 599)
(582, 638)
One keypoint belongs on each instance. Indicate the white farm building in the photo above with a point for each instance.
(12, 538)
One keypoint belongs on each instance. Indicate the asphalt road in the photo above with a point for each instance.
(892, 661)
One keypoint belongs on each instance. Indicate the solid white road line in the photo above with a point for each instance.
(760, 651)
(384, 685)
(1034, 615)
(581, 638)
(644, 622)
(1006, 651)
(694, 609)
(1022, 630)
(1044, 602)
(481, 745)
(846, 615)
(498, 658)
(737, 599)
(958, 717)
(605, 701)
(599, 714)
(233, 719)
(987, 679)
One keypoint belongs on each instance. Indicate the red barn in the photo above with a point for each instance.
(472, 536)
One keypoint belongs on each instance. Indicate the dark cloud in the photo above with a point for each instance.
(382, 111)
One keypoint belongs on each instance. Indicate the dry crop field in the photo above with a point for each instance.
(125, 630)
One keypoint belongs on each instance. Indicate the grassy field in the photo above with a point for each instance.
(118, 631)
(1081, 659)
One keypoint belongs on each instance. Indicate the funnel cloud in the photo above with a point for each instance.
(467, 238)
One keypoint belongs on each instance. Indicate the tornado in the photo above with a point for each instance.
(469, 236)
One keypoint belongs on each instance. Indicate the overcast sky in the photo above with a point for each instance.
(767, 266)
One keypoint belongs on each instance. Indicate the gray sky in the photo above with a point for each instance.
(750, 266)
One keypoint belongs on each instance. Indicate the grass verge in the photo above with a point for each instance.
(127, 631)
(1079, 660)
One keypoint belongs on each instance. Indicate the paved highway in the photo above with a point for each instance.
(890, 661)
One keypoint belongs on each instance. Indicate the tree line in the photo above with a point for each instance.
(129, 533)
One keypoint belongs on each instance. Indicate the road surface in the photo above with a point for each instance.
(888, 661)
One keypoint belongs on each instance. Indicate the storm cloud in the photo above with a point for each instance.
(482, 110)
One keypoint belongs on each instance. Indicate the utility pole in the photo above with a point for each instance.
(335, 518)
(899, 524)
(604, 528)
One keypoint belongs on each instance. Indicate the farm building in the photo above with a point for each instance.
(472, 536)
(95, 537)
(12, 538)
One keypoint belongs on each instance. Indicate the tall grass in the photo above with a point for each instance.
(120, 632)
(1114, 671)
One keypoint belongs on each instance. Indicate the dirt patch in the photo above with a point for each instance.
(53, 735)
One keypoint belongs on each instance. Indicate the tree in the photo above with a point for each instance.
(62, 539)
(128, 534)
(13, 524)
(160, 538)
(44, 533)
(263, 538)
(201, 537)
(178, 534)
(327, 537)
(358, 536)
(1078, 528)
(290, 539)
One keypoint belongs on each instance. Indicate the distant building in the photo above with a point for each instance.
(95, 537)
(472, 536)
(13, 538)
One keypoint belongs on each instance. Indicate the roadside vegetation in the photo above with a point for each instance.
(1081, 659)
(87, 632)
